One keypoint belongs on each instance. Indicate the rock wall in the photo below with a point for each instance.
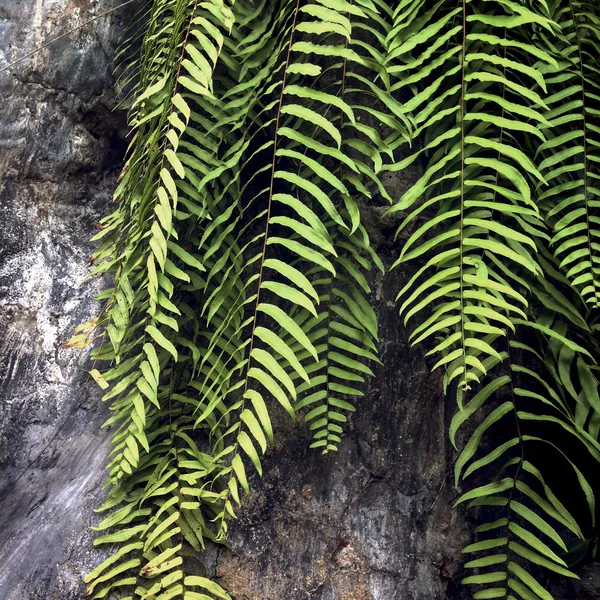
(61, 146)
(373, 522)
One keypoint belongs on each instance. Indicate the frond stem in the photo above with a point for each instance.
(462, 188)
(522, 448)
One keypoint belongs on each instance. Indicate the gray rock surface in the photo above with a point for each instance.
(373, 522)
(60, 150)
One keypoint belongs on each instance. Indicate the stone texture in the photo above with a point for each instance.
(60, 150)
(373, 522)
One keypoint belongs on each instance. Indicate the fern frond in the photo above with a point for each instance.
(159, 508)
(146, 322)
(346, 329)
(153, 330)
(346, 326)
(474, 94)
(570, 155)
(280, 348)
(530, 523)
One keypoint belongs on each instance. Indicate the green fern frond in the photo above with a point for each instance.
(143, 325)
(530, 524)
(154, 346)
(570, 158)
(346, 329)
(471, 95)
(280, 349)
(346, 326)
(546, 404)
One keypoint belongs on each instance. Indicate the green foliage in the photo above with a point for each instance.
(570, 159)
(242, 268)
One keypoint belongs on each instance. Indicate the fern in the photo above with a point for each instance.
(214, 372)
(480, 107)
(519, 490)
(570, 156)
(479, 177)
(242, 269)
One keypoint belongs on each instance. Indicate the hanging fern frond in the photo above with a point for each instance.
(346, 325)
(530, 525)
(307, 176)
(477, 101)
(347, 332)
(142, 243)
(570, 157)
(471, 97)
(543, 406)
(152, 330)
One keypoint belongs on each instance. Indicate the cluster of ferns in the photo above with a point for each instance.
(241, 269)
